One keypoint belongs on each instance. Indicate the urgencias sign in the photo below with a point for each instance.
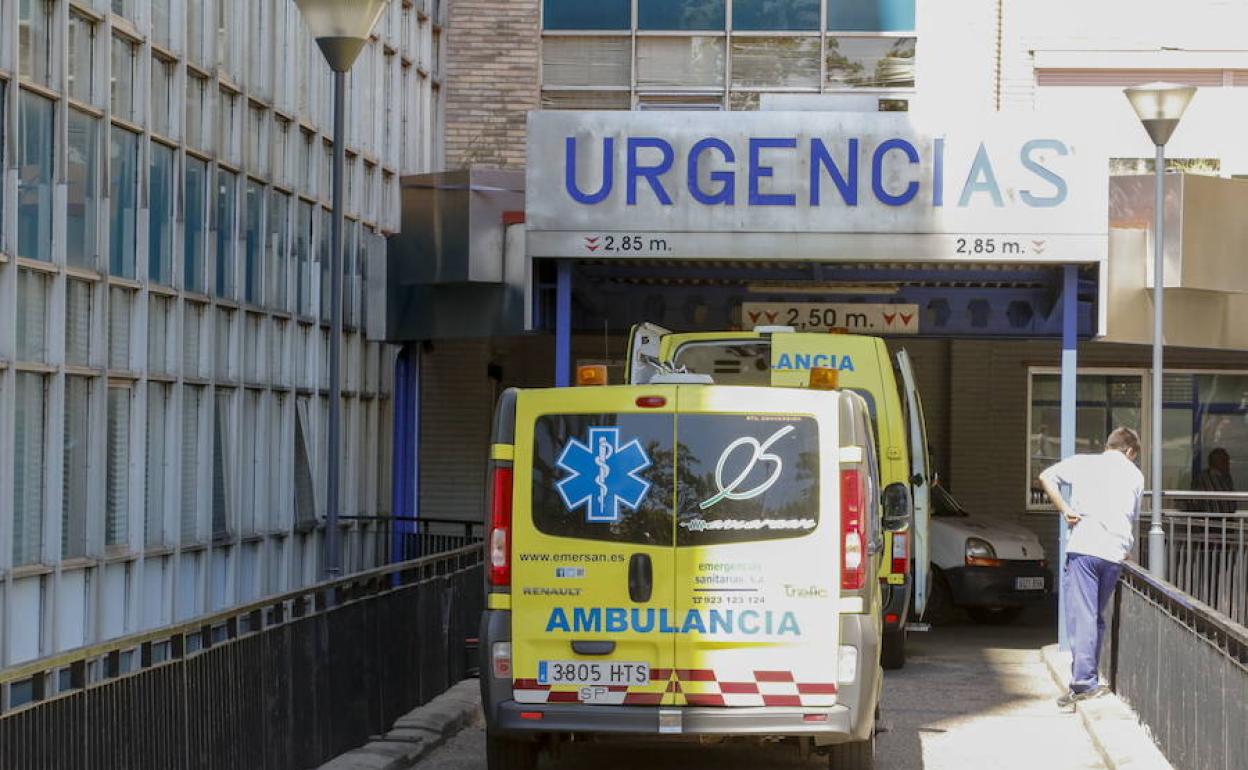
(810, 172)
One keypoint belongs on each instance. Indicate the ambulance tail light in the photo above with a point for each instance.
(853, 531)
(500, 528)
(901, 552)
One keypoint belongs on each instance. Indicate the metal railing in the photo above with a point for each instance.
(285, 682)
(1183, 667)
(1206, 548)
(403, 538)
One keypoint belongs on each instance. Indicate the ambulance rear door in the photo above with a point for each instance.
(592, 548)
(757, 550)
(644, 343)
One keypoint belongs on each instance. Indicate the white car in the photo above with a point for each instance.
(991, 569)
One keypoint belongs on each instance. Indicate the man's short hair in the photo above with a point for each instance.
(1124, 439)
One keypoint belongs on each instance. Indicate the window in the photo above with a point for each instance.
(323, 256)
(775, 62)
(578, 14)
(226, 54)
(788, 509)
(257, 149)
(281, 143)
(35, 133)
(225, 322)
(260, 47)
(303, 257)
(125, 8)
(124, 104)
(199, 34)
(865, 62)
(34, 47)
(252, 451)
(159, 313)
(227, 107)
(758, 15)
(33, 289)
(80, 82)
(648, 522)
(28, 467)
(82, 210)
(222, 452)
(117, 481)
(587, 61)
(162, 30)
(275, 281)
(680, 14)
(158, 408)
(253, 238)
(193, 322)
(1102, 402)
(161, 121)
(305, 491)
(78, 304)
(196, 108)
(195, 235)
(123, 220)
(160, 215)
(223, 227)
(680, 62)
(75, 467)
(120, 307)
(871, 15)
(192, 403)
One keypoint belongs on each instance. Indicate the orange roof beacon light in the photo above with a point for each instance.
(838, 330)
(591, 374)
(823, 378)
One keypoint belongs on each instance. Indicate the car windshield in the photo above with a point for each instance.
(944, 504)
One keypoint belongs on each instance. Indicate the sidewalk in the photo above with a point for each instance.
(1124, 743)
(417, 733)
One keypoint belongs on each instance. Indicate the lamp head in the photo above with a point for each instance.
(1160, 106)
(341, 27)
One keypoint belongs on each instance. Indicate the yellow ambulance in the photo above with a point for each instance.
(779, 356)
(681, 560)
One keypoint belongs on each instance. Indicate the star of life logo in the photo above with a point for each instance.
(604, 475)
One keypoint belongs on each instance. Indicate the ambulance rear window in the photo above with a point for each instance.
(604, 477)
(744, 362)
(743, 478)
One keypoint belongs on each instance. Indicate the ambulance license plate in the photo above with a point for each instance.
(1029, 584)
(579, 672)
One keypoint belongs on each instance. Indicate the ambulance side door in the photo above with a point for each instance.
(920, 481)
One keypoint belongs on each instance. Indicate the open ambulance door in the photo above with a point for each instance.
(643, 347)
(920, 482)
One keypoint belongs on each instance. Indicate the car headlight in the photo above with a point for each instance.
(980, 553)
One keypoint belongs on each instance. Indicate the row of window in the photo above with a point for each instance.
(746, 15)
(182, 463)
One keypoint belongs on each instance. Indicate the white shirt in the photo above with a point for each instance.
(1105, 491)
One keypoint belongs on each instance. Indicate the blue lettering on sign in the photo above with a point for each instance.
(650, 173)
(604, 475)
(727, 194)
(1059, 184)
(758, 172)
(877, 172)
(810, 360)
(589, 620)
(981, 178)
(819, 163)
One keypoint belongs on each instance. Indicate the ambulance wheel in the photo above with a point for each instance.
(507, 754)
(893, 650)
(857, 755)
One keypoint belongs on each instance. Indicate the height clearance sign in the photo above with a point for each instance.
(813, 185)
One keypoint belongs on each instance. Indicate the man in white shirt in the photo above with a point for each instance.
(1104, 502)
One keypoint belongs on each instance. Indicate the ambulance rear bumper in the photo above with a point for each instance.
(834, 723)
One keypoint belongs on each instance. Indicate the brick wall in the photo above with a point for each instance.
(492, 80)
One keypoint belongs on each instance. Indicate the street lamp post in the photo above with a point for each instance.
(1159, 106)
(341, 28)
